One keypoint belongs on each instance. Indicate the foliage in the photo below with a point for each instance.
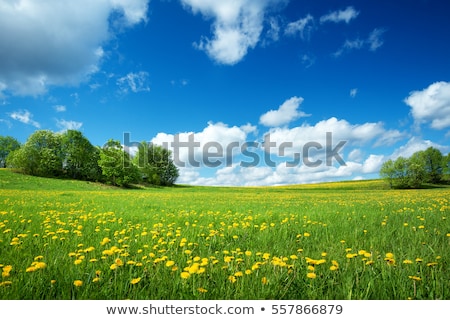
(116, 166)
(156, 164)
(80, 157)
(41, 155)
(426, 166)
(7, 145)
(71, 155)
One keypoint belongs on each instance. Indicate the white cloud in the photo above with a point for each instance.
(375, 39)
(413, 145)
(136, 82)
(60, 108)
(285, 114)
(372, 42)
(345, 15)
(65, 125)
(24, 116)
(57, 43)
(237, 26)
(216, 138)
(431, 105)
(353, 92)
(302, 27)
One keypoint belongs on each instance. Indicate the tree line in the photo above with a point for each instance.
(71, 155)
(427, 166)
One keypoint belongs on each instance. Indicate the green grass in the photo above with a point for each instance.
(230, 243)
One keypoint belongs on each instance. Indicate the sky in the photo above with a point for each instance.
(243, 92)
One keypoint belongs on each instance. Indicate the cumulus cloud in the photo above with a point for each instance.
(56, 43)
(285, 114)
(431, 105)
(413, 145)
(214, 146)
(134, 82)
(237, 26)
(24, 116)
(345, 15)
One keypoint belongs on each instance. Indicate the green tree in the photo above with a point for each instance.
(40, 155)
(416, 172)
(80, 157)
(156, 164)
(8, 144)
(387, 172)
(433, 164)
(401, 172)
(116, 166)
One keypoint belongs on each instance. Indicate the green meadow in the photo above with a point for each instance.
(64, 239)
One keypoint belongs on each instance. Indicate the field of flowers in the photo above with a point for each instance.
(78, 240)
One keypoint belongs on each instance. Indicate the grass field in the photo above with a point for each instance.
(64, 239)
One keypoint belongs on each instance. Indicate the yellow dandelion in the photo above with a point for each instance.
(232, 279)
(431, 264)
(202, 290)
(407, 261)
(311, 268)
(333, 268)
(419, 260)
(113, 266)
(170, 263)
(96, 279)
(248, 253)
(185, 275)
(78, 283)
(306, 234)
(78, 261)
(248, 272)
(135, 280)
(239, 274)
(370, 262)
(389, 255)
(293, 257)
(415, 278)
(264, 280)
(311, 275)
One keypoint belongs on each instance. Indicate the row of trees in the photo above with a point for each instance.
(71, 155)
(428, 166)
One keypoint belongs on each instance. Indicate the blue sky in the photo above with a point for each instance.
(375, 74)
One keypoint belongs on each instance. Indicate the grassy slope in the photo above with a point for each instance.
(15, 181)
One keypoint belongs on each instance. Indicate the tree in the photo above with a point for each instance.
(416, 173)
(80, 157)
(40, 155)
(433, 164)
(156, 164)
(116, 166)
(7, 145)
(387, 172)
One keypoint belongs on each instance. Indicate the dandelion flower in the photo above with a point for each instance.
(264, 280)
(415, 278)
(135, 280)
(170, 263)
(311, 275)
(185, 275)
(333, 268)
(407, 261)
(232, 279)
(78, 283)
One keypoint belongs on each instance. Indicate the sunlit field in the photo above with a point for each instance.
(355, 240)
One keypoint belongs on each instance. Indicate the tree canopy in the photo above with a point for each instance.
(427, 166)
(71, 155)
